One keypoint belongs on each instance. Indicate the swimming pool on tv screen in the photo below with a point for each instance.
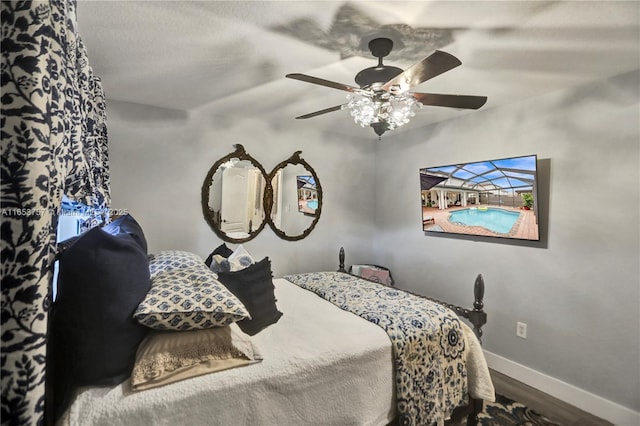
(495, 220)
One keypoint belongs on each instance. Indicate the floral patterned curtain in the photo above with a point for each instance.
(54, 142)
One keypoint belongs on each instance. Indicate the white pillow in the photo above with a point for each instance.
(240, 259)
(237, 261)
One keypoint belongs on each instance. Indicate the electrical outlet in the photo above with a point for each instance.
(521, 330)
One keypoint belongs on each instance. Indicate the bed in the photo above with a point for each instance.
(316, 364)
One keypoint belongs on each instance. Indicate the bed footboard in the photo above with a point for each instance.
(476, 316)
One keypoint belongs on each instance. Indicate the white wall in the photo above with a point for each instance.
(159, 159)
(578, 288)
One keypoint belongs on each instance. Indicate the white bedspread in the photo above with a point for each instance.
(322, 366)
(478, 377)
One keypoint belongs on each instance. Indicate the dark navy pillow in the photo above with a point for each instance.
(222, 250)
(63, 246)
(127, 225)
(254, 287)
(93, 336)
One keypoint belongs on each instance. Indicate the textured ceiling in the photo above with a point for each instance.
(234, 54)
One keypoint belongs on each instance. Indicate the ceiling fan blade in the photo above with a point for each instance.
(322, 82)
(323, 111)
(451, 101)
(431, 66)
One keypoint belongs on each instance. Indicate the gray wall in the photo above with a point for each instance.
(159, 159)
(578, 289)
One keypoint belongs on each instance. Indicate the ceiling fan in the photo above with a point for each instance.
(383, 100)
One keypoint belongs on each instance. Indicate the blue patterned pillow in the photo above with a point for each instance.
(188, 299)
(221, 250)
(173, 259)
(236, 261)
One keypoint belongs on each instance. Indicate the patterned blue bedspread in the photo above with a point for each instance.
(427, 340)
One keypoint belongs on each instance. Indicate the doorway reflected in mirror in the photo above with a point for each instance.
(233, 197)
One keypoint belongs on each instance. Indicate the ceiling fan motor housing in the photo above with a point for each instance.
(379, 47)
(368, 76)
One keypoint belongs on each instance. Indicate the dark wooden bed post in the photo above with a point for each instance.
(478, 317)
(341, 259)
(476, 408)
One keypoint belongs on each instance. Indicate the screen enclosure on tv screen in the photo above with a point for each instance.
(492, 198)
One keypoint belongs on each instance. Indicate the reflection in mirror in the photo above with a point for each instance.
(233, 197)
(307, 195)
(297, 198)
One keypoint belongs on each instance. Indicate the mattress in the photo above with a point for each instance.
(321, 365)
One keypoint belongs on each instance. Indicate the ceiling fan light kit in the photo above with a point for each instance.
(383, 100)
(382, 108)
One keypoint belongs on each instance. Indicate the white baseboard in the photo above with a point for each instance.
(594, 404)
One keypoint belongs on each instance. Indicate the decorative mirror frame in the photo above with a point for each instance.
(295, 159)
(267, 201)
(209, 215)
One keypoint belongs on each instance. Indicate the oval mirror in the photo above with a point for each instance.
(296, 201)
(233, 197)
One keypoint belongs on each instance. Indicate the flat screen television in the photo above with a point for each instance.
(493, 198)
(307, 195)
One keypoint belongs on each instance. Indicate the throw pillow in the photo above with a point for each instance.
(93, 337)
(166, 357)
(236, 261)
(221, 250)
(188, 299)
(254, 287)
(127, 225)
(376, 275)
(168, 260)
(240, 259)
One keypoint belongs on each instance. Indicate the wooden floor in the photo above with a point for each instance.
(552, 408)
